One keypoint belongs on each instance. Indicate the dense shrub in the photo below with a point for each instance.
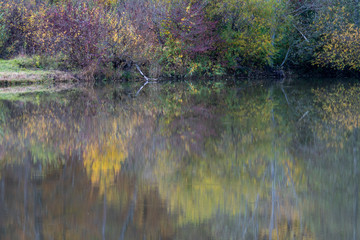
(253, 32)
(91, 36)
(338, 43)
(74, 30)
(190, 38)
(14, 28)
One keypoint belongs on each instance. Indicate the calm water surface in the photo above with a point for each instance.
(181, 161)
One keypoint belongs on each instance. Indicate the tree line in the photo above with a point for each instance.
(182, 37)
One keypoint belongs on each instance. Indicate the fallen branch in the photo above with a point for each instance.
(146, 78)
(303, 116)
(301, 33)
(286, 56)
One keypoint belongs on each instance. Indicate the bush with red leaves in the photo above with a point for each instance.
(188, 24)
(76, 31)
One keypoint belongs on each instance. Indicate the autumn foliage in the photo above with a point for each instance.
(181, 38)
(339, 42)
(76, 31)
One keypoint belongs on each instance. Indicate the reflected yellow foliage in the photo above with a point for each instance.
(289, 226)
(203, 189)
(104, 162)
(200, 194)
(103, 157)
(233, 174)
(37, 132)
(175, 158)
(340, 106)
(339, 109)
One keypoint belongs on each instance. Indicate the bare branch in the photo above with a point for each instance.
(307, 112)
(301, 33)
(286, 56)
(142, 74)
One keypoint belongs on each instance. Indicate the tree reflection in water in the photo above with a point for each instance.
(181, 161)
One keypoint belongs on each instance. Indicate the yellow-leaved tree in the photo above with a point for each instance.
(339, 43)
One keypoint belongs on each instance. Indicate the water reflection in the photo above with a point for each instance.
(181, 161)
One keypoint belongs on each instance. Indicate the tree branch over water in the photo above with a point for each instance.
(148, 80)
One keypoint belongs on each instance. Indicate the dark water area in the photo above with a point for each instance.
(181, 160)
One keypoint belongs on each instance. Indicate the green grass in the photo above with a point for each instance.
(11, 71)
(24, 70)
(17, 65)
(9, 66)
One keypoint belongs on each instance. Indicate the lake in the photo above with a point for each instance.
(181, 160)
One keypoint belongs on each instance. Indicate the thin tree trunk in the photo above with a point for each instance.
(104, 215)
(356, 193)
(38, 212)
(26, 176)
(129, 216)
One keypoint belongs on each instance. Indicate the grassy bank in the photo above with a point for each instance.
(20, 70)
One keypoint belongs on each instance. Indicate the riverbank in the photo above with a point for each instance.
(23, 70)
